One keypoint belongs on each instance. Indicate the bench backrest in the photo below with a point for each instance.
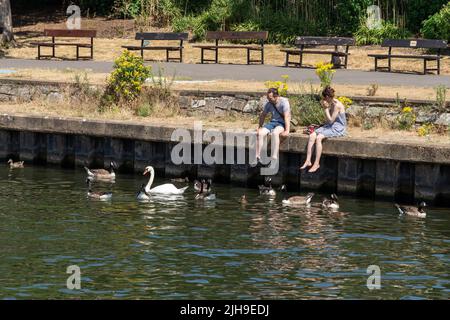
(70, 33)
(415, 43)
(237, 35)
(162, 36)
(330, 41)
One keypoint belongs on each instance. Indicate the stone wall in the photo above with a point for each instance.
(227, 103)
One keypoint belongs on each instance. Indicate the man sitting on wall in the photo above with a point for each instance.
(279, 125)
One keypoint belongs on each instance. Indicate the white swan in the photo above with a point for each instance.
(166, 188)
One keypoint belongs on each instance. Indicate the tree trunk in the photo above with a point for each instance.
(6, 30)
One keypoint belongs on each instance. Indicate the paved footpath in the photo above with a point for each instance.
(242, 72)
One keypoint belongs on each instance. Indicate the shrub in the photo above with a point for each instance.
(425, 129)
(406, 119)
(282, 86)
(441, 96)
(306, 109)
(367, 36)
(438, 25)
(126, 80)
(347, 102)
(325, 73)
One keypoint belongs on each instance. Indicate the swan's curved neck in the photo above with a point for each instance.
(150, 181)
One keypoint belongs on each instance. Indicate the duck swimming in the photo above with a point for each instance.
(15, 165)
(331, 204)
(102, 174)
(299, 200)
(97, 195)
(205, 191)
(243, 199)
(266, 189)
(413, 211)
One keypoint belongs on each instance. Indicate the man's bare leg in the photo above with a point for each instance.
(276, 141)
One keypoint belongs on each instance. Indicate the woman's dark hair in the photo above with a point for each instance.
(274, 91)
(328, 92)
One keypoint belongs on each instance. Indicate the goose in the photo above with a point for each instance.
(243, 199)
(267, 189)
(205, 193)
(142, 194)
(166, 188)
(102, 173)
(97, 195)
(15, 165)
(299, 200)
(331, 204)
(413, 211)
(198, 185)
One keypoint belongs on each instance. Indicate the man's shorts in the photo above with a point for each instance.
(273, 124)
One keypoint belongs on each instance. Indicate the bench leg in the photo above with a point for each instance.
(301, 59)
(286, 62)
(389, 64)
(248, 56)
(167, 55)
(78, 52)
(439, 66)
(53, 51)
(217, 55)
(262, 56)
(181, 55)
(424, 66)
(39, 52)
(376, 64)
(201, 56)
(346, 61)
(142, 54)
(92, 52)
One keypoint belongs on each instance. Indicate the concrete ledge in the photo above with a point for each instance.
(295, 143)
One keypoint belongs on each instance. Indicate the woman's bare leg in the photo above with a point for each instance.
(316, 165)
(312, 140)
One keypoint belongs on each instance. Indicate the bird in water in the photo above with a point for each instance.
(266, 189)
(15, 165)
(413, 211)
(96, 195)
(102, 174)
(331, 204)
(243, 199)
(299, 200)
(205, 191)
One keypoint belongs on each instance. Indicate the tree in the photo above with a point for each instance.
(6, 30)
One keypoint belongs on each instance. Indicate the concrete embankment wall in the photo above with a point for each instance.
(403, 172)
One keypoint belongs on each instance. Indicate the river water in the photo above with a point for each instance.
(191, 249)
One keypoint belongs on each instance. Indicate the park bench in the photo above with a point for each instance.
(146, 37)
(234, 35)
(66, 33)
(304, 45)
(414, 43)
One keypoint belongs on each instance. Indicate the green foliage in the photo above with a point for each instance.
(127, 78)
(306, 109)
(144, 110)
(367, 36)
(406, 119)
(417, 11)
(441, 97)
(325, 73)
(438, 25)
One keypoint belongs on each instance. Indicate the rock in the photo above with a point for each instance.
(198, 103)
(251, 106)
(355, 110)
(184, 102)
(444, 119)
(55, 97)
(238, 105)
(373, 112)
(424, 116)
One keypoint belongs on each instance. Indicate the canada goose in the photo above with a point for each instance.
(102, 173)
(97, 195)
(142, 194)
(267, 189)
(166, 188)
(299, 200)
(331, 204)
(413, 211)
(198, 185)
(186, 180)
(205, 191)
(15, 165)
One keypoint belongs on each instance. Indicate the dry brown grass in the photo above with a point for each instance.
(108, 47)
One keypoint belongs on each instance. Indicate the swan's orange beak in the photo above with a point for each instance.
(145, 172)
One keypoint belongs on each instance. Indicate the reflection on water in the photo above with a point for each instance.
(177, 247)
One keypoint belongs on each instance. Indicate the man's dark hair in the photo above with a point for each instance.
(274, 91)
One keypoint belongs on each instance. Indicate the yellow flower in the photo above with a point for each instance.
(407, 110)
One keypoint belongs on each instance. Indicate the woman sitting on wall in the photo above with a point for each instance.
(335, 127)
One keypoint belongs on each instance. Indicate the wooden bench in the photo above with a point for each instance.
(153, 36)
(304, 44)
(66, 33)
(411, 43)
(234, 35)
